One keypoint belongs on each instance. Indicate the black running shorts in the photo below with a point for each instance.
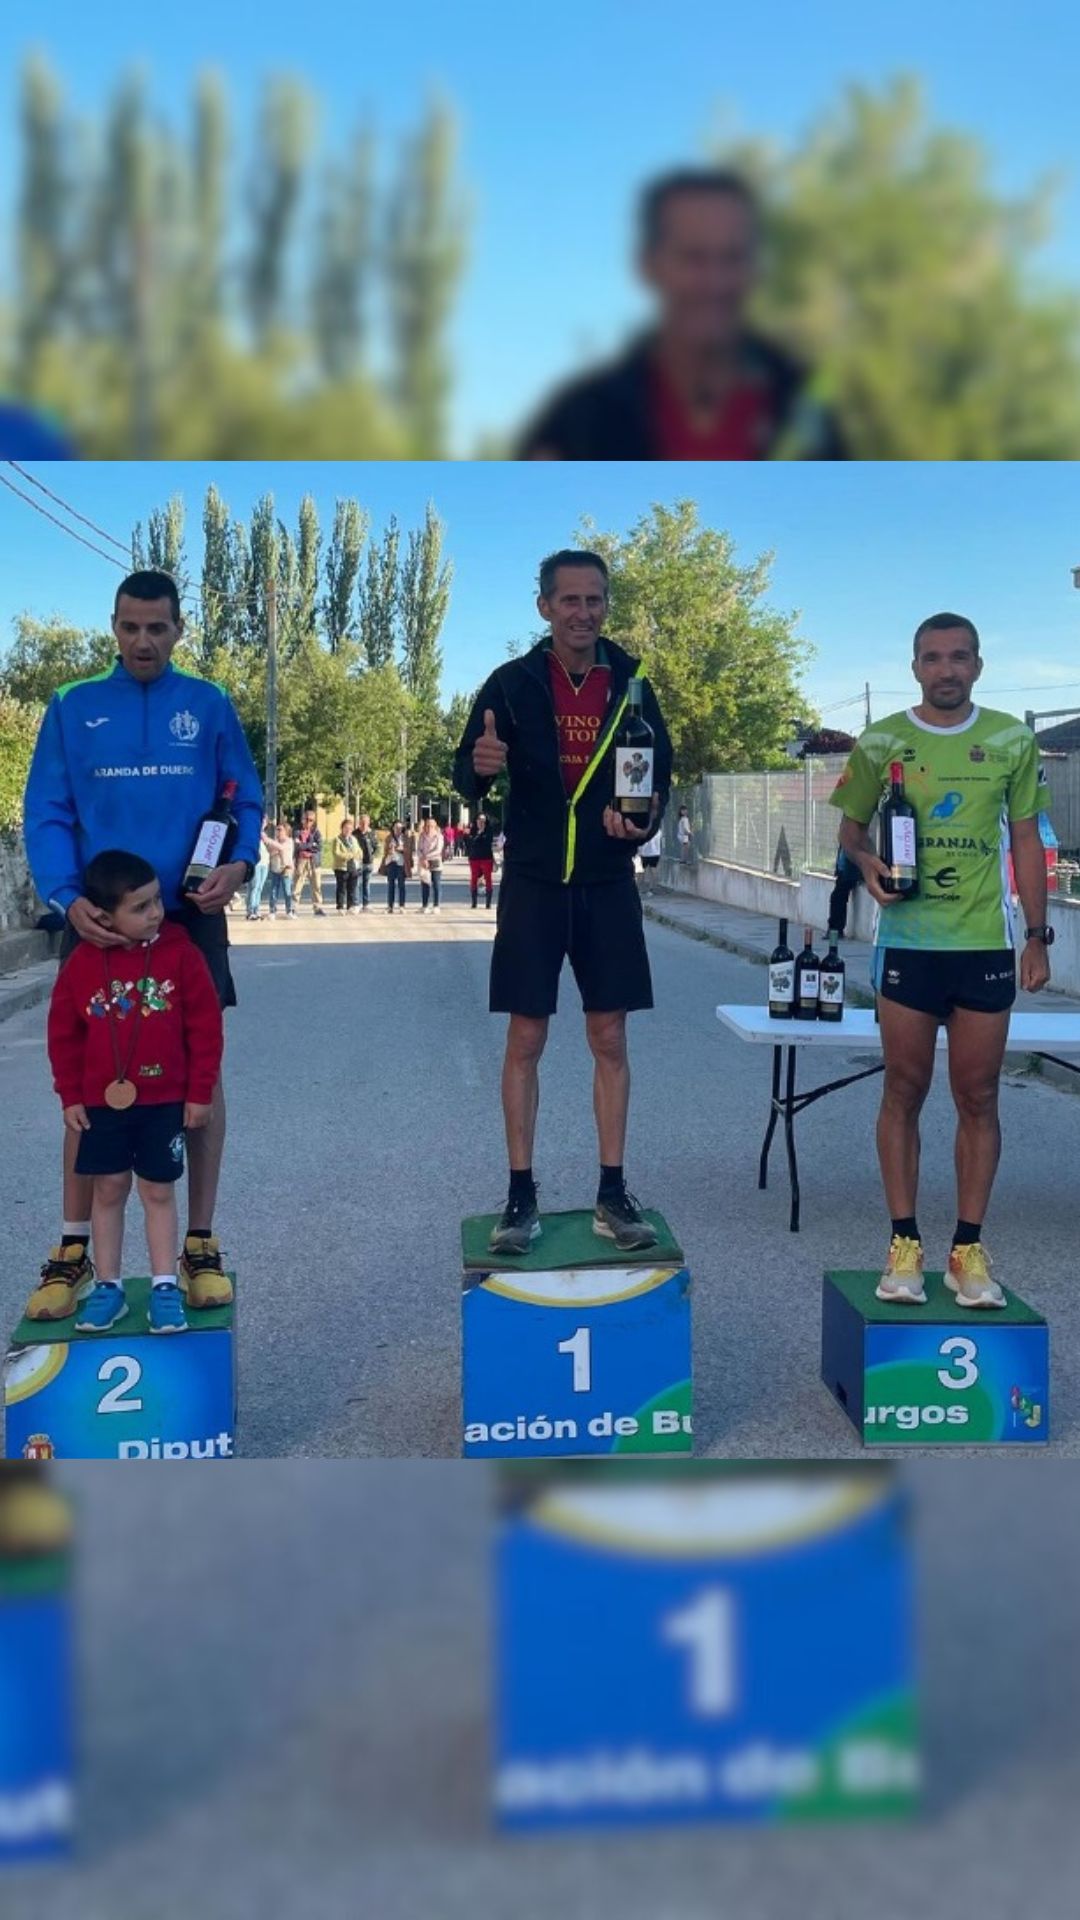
(599, 929)
(145, 1140)
(937, 983)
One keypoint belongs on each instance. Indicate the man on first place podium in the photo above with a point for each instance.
(568, 890)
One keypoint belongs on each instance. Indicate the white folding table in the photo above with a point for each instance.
(1049, 1035)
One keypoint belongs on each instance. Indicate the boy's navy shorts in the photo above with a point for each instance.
(145, 1140)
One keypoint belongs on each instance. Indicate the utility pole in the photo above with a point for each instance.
(866, 696)
(271, 702)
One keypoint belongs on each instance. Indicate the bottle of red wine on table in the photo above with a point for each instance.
(215, 838)
(634, 746)
(781, 978)
(831, 987)
(898, 840)
(807, 979)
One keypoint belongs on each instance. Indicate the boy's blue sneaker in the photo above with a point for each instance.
(104, 1305)
(165, 1311)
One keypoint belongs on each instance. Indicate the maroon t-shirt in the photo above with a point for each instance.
(741, 430)
(579, 715)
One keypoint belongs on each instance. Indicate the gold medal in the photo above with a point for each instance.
(121, 1093)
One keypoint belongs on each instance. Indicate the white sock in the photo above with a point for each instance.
(69, 1228)
(163, 1280)
(111, 1283)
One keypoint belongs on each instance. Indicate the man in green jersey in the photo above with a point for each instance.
(948, 953)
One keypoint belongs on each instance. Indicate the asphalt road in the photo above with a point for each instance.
(285, 1699)
(362, 1069)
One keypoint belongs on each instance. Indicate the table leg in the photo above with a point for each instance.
(789, 1138)
(774, 1110)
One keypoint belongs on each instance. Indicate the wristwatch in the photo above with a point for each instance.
(249, 871)
(1045, 934)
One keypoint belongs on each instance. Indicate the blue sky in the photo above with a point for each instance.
(569, 107)
(862, 552)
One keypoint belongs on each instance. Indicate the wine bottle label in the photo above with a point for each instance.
(207, 851)
(782, 982)
(810, 984)
(633, 774)
(832, 987)
(902, 834)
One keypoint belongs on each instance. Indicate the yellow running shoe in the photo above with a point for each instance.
(203, 1281)
(67, 1274)
(901, 1284)
(34, 1518)
(969, 1278)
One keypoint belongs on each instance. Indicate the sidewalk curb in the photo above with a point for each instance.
(29, 993)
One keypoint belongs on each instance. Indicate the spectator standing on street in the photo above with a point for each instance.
(481, 860)
(282, 851)
(368, 844)
(308, 868)
(259, 877)
(684, 836)
(346, 865)
(397, 864)
(429, 855)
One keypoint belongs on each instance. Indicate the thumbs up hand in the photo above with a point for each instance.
(489, 753)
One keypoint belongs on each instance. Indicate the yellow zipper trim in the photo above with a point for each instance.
(601, 748)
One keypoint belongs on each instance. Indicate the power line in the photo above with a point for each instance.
(73, 511)
(110, 557)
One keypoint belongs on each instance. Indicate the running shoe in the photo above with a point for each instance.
(102, 1308)
(166, 1310)
(67, 1272)
(901, 1284)
(203, 1280)
(619, 1217)
(519, 1226)
(969, 1277)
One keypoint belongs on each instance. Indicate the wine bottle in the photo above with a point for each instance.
(781, 978)
(831, 989)
(215, 837)
(807, 979)
(634, 746)
(898, 840)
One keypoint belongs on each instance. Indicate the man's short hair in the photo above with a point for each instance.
(566, 557)
(111, 874)
(657, 193)
(941, 623)
(150, 583)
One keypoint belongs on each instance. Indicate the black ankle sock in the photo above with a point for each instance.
(522, 1184)
(611, 1179)
(967, 1233)
(75, 1240)
(907, 1229)
(199, 1233)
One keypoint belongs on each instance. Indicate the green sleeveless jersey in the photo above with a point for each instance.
(966, 784)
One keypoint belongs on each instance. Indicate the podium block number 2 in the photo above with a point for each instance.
(706, 1629)
(579, 1346)
(119, 1399)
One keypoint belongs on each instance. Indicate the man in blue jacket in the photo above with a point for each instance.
(134, 758)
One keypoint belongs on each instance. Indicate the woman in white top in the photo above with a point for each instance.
(429, 858)
(281, 850)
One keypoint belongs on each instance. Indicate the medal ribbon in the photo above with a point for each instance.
(122, 1070)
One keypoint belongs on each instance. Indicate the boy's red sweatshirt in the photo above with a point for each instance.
(164, 1005)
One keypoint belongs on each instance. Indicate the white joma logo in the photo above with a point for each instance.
(103, 722)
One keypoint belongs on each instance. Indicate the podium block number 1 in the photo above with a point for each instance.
(119, 1399)
(580, 1347)
(706, 1629)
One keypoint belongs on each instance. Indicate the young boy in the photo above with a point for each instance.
(135, 1044)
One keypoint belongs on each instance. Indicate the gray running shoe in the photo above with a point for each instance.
(618, 1217)
(518, 1228)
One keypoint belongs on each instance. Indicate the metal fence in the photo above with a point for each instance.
(777, 822)
(1063, 798)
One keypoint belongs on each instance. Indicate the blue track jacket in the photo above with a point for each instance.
(135, 764)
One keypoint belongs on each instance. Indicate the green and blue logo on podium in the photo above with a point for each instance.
(126, 1394)
(36, 1736)
(576, 1348)
(935, 1375)
(736, 1646)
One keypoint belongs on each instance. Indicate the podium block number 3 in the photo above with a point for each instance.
(580, 1348)
(706, 1629)
(961, 1355)
(118, 1399)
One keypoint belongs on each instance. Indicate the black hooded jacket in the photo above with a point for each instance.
(538, 813)
(606, 414)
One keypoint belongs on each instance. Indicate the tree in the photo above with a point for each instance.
(19, 723)
(276, 185)
(898, 269)
(342, 572)
(343, 261)
(46, 654)
(378, 598)
(724, 664)
(164, 542)
(422, 602)
(425, 254)
(221, 581)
